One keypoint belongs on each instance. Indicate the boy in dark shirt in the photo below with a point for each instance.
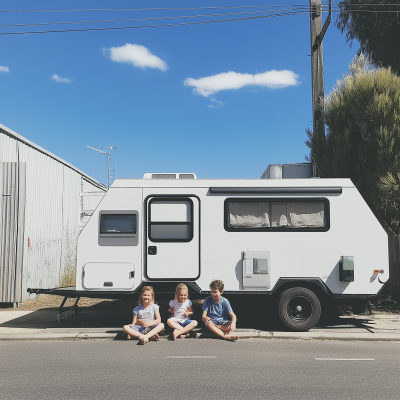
(216, 310)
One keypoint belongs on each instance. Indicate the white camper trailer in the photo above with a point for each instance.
(303, 241)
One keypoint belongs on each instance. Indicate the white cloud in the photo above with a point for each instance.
(4, 69)
(59, 79)
(137, 55)
(215, 103)
(233, 80)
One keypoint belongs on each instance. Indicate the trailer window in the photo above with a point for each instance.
(118, 228)
(279, 214)
(246, 214)
(171, 220)
(115, 224)
(306, 214)
(276, 214)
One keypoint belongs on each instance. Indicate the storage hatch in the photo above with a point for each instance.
(108, 276)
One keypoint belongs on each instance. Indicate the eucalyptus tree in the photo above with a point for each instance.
(375, 25)
(362, 141)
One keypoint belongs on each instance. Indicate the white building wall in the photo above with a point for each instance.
(53, 213)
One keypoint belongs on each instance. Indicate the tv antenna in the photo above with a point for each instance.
(111, 152)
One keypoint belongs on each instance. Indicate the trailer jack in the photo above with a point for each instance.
(59, 314)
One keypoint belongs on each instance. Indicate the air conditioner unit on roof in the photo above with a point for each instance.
(174, 175)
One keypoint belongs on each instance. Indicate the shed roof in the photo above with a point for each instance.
(17, 136)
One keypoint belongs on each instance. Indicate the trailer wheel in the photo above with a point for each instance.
(299, 309)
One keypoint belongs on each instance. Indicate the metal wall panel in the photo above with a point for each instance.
(53, 213)
(12, 212)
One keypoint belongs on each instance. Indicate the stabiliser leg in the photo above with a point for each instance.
(76, 305)
(59, 316)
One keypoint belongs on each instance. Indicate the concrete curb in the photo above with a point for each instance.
(206, 335)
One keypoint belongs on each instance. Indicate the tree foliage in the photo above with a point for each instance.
(362, 141)
(375, 24)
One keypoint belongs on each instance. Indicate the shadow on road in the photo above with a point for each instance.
(253, 312)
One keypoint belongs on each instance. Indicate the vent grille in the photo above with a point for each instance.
(169, 175)
(163, 176)
(186, 176)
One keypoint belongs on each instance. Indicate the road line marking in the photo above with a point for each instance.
(344, 359)
(191, 357)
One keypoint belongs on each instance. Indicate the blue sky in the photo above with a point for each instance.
(65, 91)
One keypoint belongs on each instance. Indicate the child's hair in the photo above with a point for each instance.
(146, 289)
(217, 284)
(179, 288)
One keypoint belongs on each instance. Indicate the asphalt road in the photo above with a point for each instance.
(199, 369)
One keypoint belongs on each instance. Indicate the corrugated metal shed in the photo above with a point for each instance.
(41, 217)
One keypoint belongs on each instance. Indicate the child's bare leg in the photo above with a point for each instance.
(213, 328)
(177, 327)
(154, 332)
(226, 329)
(132, 333)
(187, 328)
(173, 324)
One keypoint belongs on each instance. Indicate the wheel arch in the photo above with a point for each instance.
(314, 284)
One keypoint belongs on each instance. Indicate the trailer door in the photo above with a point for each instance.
(173, 238)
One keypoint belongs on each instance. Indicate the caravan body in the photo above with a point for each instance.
(258, 236)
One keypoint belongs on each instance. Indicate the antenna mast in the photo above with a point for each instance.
(111, 152)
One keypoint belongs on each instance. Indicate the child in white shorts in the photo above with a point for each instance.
(181, 309)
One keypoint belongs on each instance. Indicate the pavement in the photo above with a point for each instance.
(90, 324)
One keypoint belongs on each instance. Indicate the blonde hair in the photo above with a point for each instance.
(146, 289)
(179, 288)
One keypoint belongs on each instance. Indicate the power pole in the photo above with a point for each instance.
(317, 33)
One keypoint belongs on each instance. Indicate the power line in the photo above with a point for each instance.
(143, 19)
(154, 26)
(159, 9)
(282, 12)
(181, 16)
(188, 8)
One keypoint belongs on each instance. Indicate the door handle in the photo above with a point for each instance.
(131, 274)
(152, 250)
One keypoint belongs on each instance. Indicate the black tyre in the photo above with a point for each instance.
(299, 309)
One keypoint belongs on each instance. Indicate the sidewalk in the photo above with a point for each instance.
(87, 324)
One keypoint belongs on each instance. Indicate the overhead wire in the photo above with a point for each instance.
(297, 10)
(151, 26)
(158, 9)
(140, 19)
(187, 8)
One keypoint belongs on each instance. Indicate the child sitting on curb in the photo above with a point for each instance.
(146, 324)
(216, 310)
(181, 309)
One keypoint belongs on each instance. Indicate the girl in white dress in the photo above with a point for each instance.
(181, 309)
(146, 323)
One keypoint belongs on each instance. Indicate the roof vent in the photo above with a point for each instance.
(169, 176)
(186, 176)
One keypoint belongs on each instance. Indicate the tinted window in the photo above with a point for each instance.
(171, 220)
(118, 224)
(276, 214)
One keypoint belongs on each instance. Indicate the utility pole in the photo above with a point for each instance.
(317, 33)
